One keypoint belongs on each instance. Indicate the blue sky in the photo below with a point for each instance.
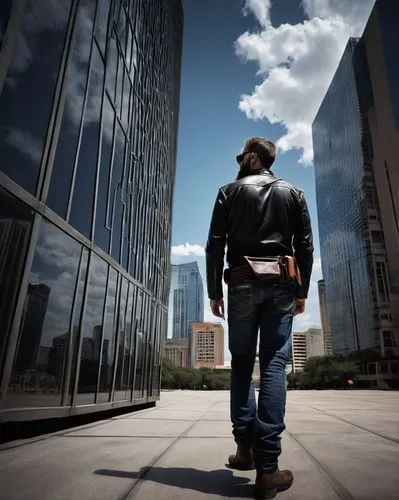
(281, 56)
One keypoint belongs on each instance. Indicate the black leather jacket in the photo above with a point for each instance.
(258, 216)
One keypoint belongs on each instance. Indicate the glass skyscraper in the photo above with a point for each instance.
(340, 168)
(359, 278)
(186, 299)
(89, 102)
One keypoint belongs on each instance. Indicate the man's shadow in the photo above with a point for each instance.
(217, 482)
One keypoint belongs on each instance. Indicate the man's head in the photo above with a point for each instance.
(258, 153)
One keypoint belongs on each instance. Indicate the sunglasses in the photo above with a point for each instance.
(240, 157)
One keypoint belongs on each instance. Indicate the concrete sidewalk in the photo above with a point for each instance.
(339, 444)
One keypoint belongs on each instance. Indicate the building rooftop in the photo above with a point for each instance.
(339, 446)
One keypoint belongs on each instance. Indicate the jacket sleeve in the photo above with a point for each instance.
(303, 245)
(215, 247)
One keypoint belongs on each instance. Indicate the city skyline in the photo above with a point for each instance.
(216, 99)
(88, 173)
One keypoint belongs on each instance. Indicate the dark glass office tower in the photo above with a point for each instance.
(340, 169)
(89, 102)
(355, 139)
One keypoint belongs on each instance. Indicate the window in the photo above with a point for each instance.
(15, 228)
(116, 208)
(377, 236)
(387, 337)
(102, 230)
(109, 338)
(27, 98)
(63, 167)
(39, 368)
(76, 322)
(139, 347)
(102, 23)
(5, 11)
(371, 196)
(119, 393)
(84, 185)
(384, 367)
(382, 281)
(92, 330)
(129, 339)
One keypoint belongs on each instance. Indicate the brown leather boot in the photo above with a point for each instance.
(243, 459)
(268, 484)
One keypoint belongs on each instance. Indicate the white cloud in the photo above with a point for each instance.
(188, 249)
(260, 8)
(297, 63)
(303, 322)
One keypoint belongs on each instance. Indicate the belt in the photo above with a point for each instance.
(272, 269)
(238, 274)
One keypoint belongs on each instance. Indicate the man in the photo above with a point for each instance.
(259, 215)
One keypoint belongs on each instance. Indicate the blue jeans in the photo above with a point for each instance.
(268, 308)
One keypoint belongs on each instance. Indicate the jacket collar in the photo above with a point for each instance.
(262, 171)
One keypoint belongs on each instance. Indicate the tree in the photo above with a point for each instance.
(326, 372)
(175, 377)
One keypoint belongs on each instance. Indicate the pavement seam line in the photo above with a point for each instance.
(342, 419)
(338, 487)
(128, 494)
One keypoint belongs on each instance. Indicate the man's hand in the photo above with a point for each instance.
(299, 306)
(217, 307)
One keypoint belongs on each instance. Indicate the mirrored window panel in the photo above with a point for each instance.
(139, 348)
(27, 97)
(92, 330)
(128, 348)
(62, 177)
(109, 338)
(15, 228)
(76, 319)
(102, 230)
(120, 393)
(100, 32)
(85, 178)
(39, 369)
(5, 11)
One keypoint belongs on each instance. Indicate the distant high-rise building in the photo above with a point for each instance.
(325, 323)
(306, 345)
(186, 303)
(299, 353)
(207, 345)
(314, 343)
(176, 351)
(356, 146)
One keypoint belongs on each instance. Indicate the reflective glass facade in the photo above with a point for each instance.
(89, 102)
(186, 300)
(340, 149)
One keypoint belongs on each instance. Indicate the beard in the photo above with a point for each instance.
(244, 171)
